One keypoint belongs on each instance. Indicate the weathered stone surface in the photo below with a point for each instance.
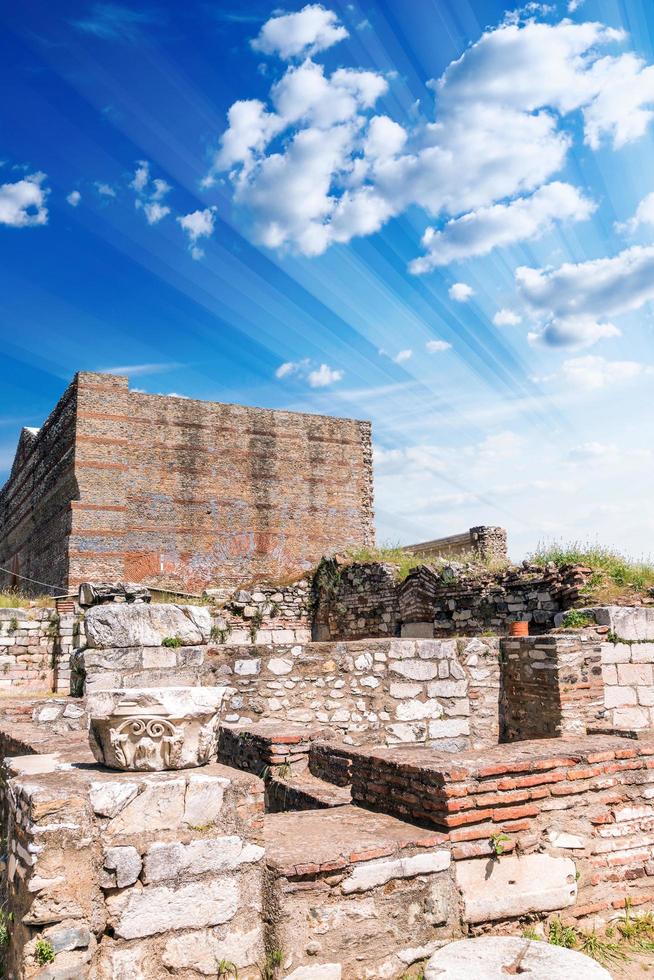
(154, 729)
(512, 886)
(158, 806)
(148, 911)
(374, 873)
(496, 957)
(108, 799)
(321, 971)
(166, 861)
(141, 625)
(202, 950)
(125, 862)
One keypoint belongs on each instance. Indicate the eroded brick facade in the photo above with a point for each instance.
(120, 485)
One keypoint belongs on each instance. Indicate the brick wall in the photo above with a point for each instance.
(179, 493)
(35, 515)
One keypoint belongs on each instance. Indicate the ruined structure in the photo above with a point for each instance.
(352, 806)
(120, 485)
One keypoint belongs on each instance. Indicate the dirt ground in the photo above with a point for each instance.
(636, 967)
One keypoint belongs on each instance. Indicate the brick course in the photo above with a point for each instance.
(176, 493)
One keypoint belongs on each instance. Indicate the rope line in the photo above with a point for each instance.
(35, 581)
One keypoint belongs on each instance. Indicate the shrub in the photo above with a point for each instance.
(613, 574)
(43, 951)
(171, 641)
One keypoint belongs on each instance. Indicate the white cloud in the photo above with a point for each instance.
(574, 302)
(500, 225)
(593, 373)
(507, 318)
(323, 376)
(150, 193)
(197, 225)
(134, 370)
(316, 377)
(436, 346)
(499, 133)
(460, 292)
(141, 176)
(644, 215)
(74, 198)
(400, 357)
(105, 190)
(22, 204)
(306, 32)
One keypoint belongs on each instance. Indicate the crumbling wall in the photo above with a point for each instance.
(358, 600)
(263, 614)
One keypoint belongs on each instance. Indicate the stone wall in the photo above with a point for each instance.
(133, 874)
(396, 690)
(35, 513)
(358, 600)
(264, 614)
(177, 493)
(484, 542)
(551, 685)
(35, 649)
(583, 798)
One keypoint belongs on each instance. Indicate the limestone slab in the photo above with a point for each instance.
(127, 625)
(374, 873)
(496, 957)
(512, 886)
(155, 909)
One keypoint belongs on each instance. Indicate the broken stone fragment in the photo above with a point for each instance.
(495, 957)
(154, 729)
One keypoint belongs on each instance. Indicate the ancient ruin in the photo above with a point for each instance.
(354, 775)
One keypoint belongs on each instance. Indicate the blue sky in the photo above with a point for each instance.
(436, 215)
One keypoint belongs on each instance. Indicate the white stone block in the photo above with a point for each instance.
(165, 861)
(618, 697)
(416, 670)
(126, 862)
(372, 874)
(246, 668)
(154, 909)
(449, 728)
(202, 950)
(513, 886)
(147, 625)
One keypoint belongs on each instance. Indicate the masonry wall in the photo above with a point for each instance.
(35, 649)
(178, 493)
(35, 513)
(366, 599)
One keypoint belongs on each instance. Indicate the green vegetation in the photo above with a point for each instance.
(171, 641)
(497, 842)
(530, 933)
(631, 934)
(219, 634)
(18, 600)
(269, 970)
(613, 574)
(5, 934)
(388, 554)
(574, 619)
(43, 951)
(13, 624)
(227, 969)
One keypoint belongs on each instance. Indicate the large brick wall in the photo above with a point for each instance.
(180, 493)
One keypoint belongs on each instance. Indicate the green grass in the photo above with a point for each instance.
(388, 554)
(172, 641)
(574, 619)
(613, 574)
(18, 600)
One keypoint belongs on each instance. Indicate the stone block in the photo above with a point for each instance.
(159, 806)
(135, 625)
(372, 874)
(510, 886)
(495, 957)
(415, 670)
(125, 862)
(631, 718)
(635, 674)
(618, 697)
(418, 710)
(202, 950)
(139, 912)
(449, 728)
(211, 854)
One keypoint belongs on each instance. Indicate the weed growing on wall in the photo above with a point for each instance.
(614, 575)
(171, 641)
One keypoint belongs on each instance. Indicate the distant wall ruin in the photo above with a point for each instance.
(176, 493)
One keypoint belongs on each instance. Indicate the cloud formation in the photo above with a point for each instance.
(150, 193)
(306, 32)
(499, 225)
(575, 302)
(316, 376)
(197, 225)
(318, 163)
(22, 204)
(507, 318)
(460, 292)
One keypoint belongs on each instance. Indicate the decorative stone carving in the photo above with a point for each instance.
(154, 729)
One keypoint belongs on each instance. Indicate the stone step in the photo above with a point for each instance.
(304, 792)
(268, 745)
